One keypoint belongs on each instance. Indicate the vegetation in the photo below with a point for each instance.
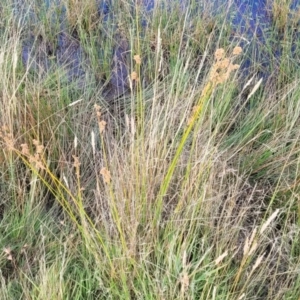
(186, 186)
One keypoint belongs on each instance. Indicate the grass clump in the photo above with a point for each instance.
(141, 161)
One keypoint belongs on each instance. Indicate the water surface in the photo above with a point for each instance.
(250, 21)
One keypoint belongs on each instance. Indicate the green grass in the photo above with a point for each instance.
(185, 187)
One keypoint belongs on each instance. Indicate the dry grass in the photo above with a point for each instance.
(176, 190)
(81, 13)
(282, 15)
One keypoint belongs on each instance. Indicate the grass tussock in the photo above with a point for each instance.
(163, 172)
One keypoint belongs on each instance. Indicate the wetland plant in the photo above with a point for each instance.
(181, 187)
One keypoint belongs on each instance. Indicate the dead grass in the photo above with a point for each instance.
(183, 192)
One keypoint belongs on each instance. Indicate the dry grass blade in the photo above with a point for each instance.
(269, 220)
(255, 88)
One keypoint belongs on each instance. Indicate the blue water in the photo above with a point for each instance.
(251, 26)
(249, 20)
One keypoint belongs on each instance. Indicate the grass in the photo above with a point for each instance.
(186, 186)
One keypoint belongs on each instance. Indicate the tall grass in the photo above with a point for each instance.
(186, 186)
